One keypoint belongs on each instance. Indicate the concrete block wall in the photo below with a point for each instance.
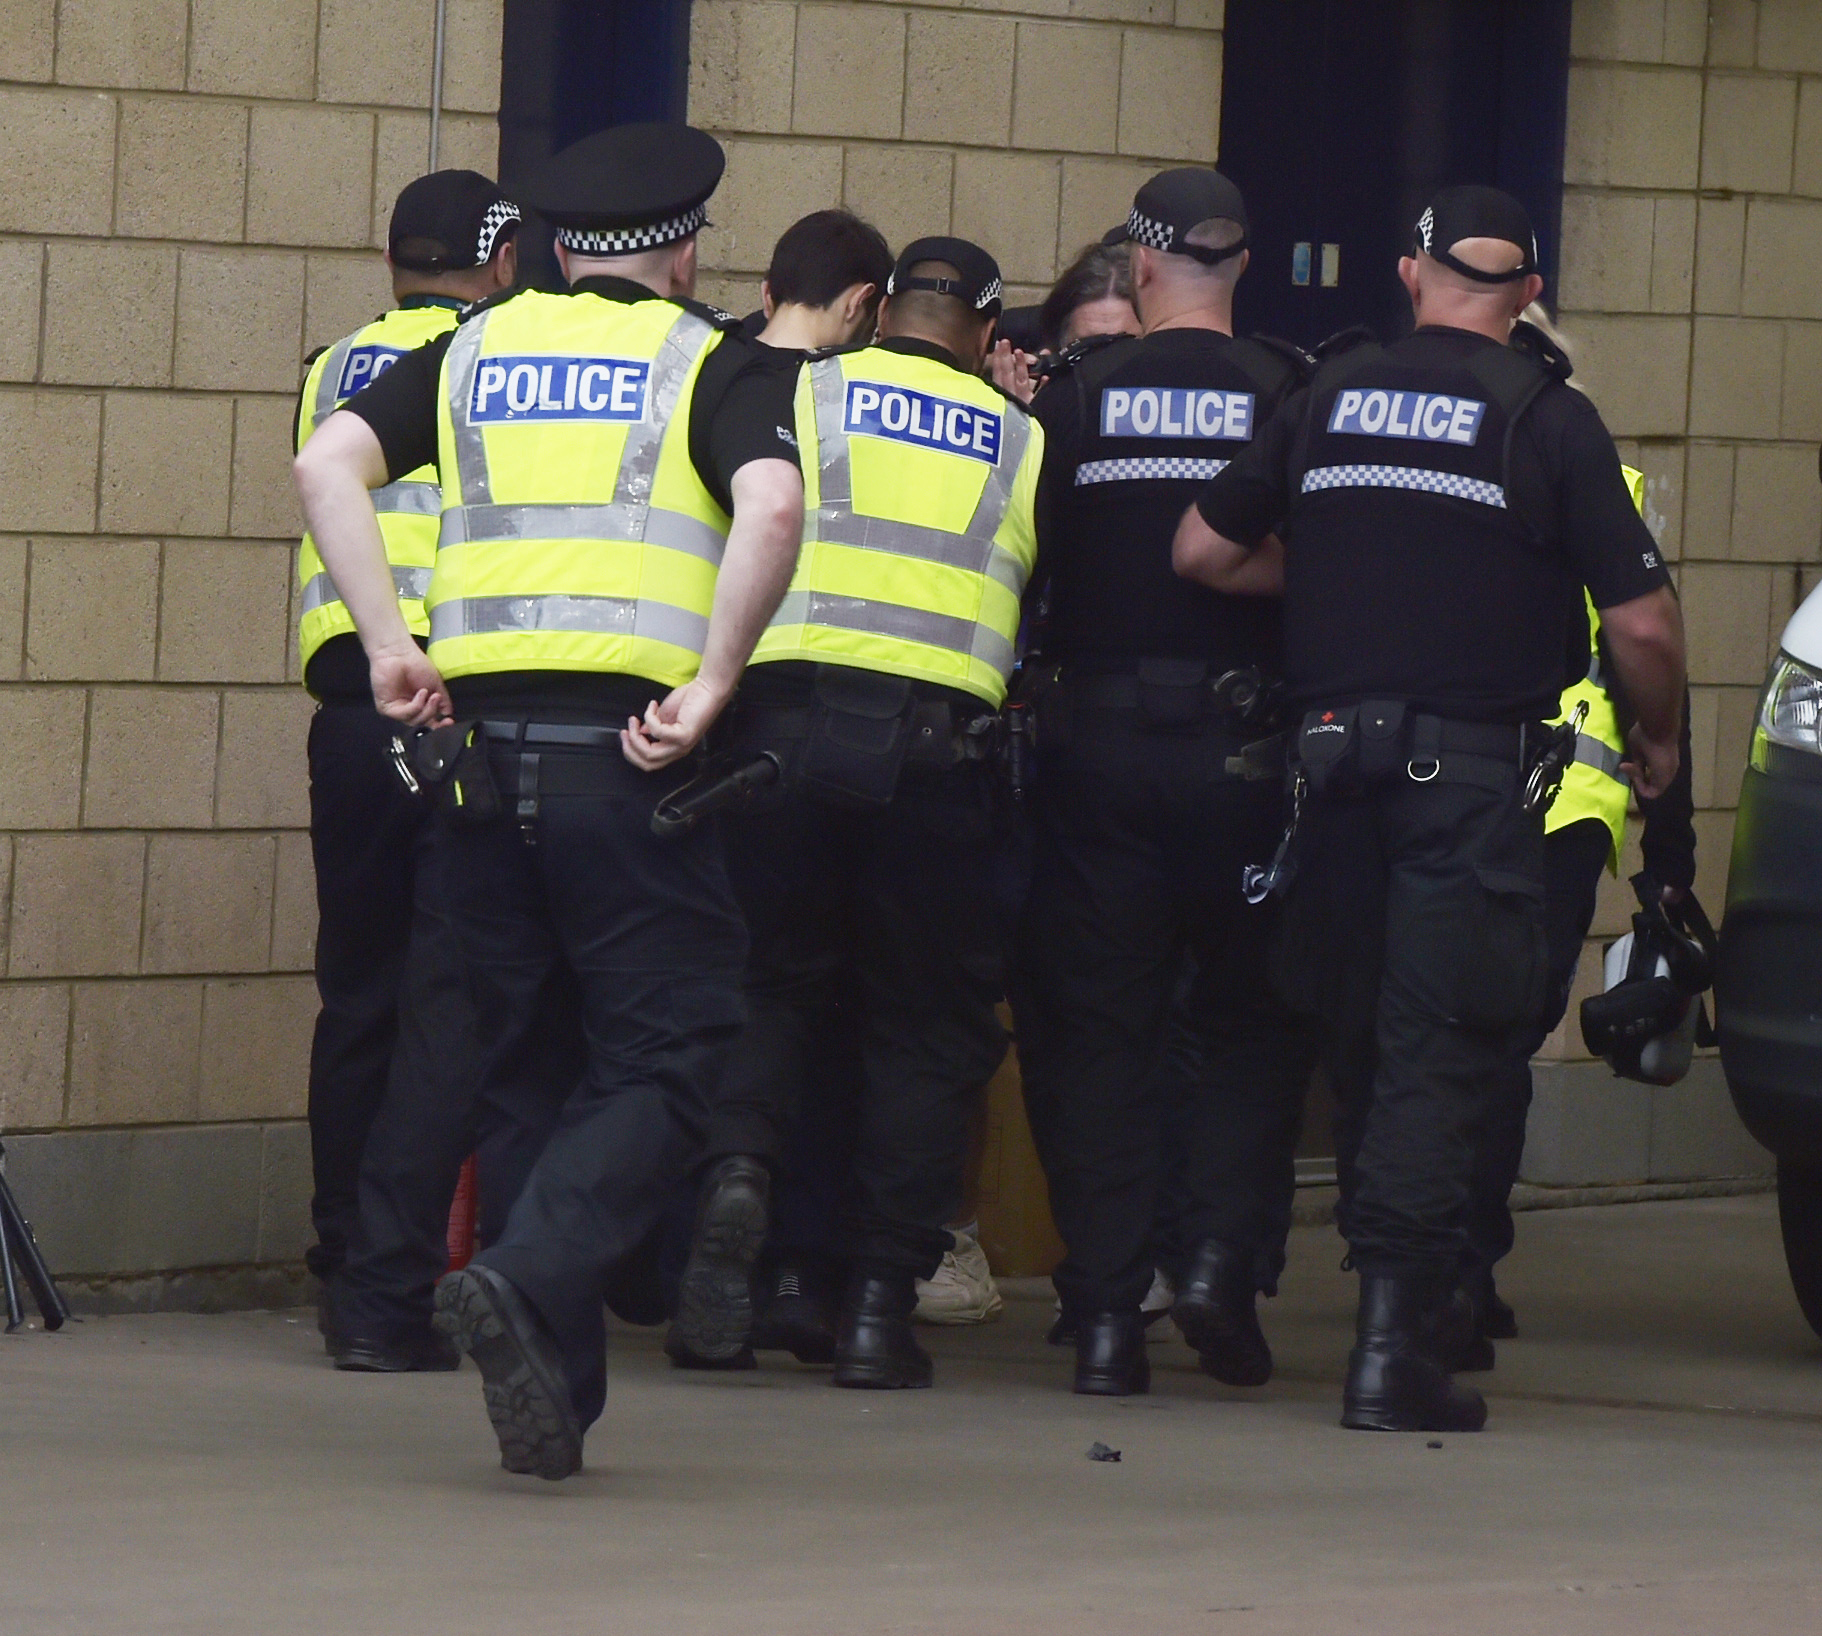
(1023, 124)
(192, 197)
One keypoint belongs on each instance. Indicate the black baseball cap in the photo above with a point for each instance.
(448, 221)
(1457, 213)
(629, 188)
(1174, 202)
(978, 285)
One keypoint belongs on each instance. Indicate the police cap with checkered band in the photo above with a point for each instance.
(629, 188)
(449, 221)
(1457, 213)
(1175, 202)
(976, 283)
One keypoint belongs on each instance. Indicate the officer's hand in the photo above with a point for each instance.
(1652, 764)
(1011, 371)
(409, 688)
(671, 729)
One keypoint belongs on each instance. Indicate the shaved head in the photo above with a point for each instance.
(1440, 295)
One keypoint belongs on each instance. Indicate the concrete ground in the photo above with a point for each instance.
(1654, 1464)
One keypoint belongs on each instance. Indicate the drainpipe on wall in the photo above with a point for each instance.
(436, 81)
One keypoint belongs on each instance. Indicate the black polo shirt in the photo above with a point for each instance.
(741, 410)
(1379, 601)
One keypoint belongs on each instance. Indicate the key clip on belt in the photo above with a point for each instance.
(1546, 778)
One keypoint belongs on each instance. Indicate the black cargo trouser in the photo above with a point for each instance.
(889, 910)
(1574, 857)
(364, 828)
(604, 966)
(1414, 930)
(1141, 839)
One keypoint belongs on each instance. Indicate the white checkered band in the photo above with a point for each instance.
(1142, 467)
(987, 296)
(1143, 230)
(625, 241)
(1404, 477)
(1426, 225)
(499, 213)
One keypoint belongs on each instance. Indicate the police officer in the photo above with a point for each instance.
(1432, 507)
(877, 685)
(590, 612)
(1143, 823)
(451, 242)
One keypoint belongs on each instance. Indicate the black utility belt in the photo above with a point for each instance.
(1352, 746)
(935, 733)
(1174, 693)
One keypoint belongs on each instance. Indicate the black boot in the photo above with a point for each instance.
(1214, 1312)
(1395, 1382)
(797, 1315)
(715, 1298)
(1110, 1358)
(874, 1345)
(1461, 1343)
(1498, 1322)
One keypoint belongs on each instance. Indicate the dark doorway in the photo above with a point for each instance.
(569, 68)
(1339, 117)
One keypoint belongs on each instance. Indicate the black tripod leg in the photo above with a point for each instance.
(15, 1312)
(51, 1305)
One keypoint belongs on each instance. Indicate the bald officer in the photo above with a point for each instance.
(621, 508)
(452, 241)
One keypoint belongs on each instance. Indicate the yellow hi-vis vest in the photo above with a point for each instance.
(407, 509)
(919, 491)
(576, 534)
(1593, 785)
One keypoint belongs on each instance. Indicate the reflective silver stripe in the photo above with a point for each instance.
(936, 630)
(836, 522)
(1144, 467)
(499, 525)
(409, 499)
(412, 585)
(333, 363)
(599, 615)
(644, 439)
(1404, 477)
(470, 450)
(1603, 758)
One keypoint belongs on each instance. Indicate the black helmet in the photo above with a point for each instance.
(1650, 1018)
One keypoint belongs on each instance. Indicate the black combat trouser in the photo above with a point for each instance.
(364, 828)
(1141, 839)
(890, 911)
(1574, 857)
(604, 966)
(1414, 930)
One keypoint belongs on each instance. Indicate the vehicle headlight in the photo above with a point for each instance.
(1790, 710)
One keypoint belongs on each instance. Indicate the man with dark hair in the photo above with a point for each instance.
(822, 290)
(868, 875)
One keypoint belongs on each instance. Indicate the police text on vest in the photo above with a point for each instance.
(1176, 411)
(545, 388)
(362, 367)
(877, 410)
(1430, 417)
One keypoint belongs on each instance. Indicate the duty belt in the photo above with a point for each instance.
(937, 738)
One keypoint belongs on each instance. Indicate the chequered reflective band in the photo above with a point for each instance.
(499, 213)
(1143, 230)
(624, 241)
(1450, 483)
(1141, 467)
(987, 296)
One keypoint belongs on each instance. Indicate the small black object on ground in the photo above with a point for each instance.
(1100, 1451)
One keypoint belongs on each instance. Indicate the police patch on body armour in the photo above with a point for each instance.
(1428, 417)
(546, 388)
(874, 409)
(363, 366)
(1176, 411)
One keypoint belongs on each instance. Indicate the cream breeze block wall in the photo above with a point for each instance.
(191, 197)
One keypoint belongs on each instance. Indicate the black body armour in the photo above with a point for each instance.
(1411, 573)
(1155, 418)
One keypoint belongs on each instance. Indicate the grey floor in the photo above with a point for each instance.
(1654, 1464)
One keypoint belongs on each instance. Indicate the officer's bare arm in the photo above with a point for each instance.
(756, 568)
(334, 472)
(1211, 559)
(1645, 639)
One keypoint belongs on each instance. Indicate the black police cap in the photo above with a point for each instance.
(978, 283)
(448, 221)
(1457, 213)
(629, 188)
(1173, 203)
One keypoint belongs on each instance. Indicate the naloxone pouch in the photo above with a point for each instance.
(860, 729)
(1381, 728)
(1324, 742)
(452, 759)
